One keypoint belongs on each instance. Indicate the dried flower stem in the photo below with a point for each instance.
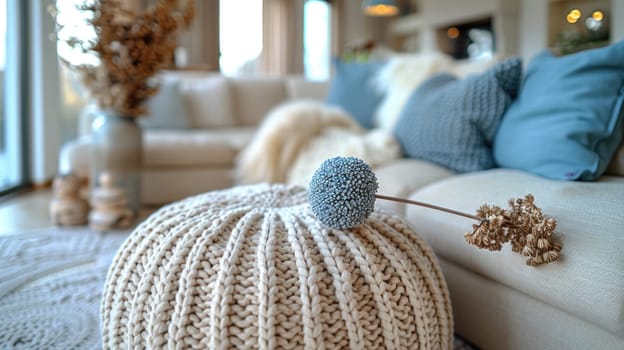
(132, 48)
(427, 205)
(523, 225)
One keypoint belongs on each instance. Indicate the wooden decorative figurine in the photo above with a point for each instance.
(109, 205)
(67, 207)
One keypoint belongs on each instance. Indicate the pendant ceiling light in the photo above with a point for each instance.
(380, 7)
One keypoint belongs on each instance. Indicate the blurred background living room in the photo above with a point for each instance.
(42, 98)
(454, 103)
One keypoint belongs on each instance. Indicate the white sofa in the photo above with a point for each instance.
(223, 114)
(498, 301)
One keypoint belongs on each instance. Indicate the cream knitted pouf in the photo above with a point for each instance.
(252, 268)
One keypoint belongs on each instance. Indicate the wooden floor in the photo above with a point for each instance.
(25, 211)
(29, 210)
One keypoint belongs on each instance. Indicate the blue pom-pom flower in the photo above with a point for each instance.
(342, 192)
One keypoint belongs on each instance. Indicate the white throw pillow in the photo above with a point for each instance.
(208, 101)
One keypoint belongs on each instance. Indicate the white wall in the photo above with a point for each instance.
(534, 25)
(355, 26)
(435, 14)
(533, 28)
(521, 25)
(443, 12)
(617, 20)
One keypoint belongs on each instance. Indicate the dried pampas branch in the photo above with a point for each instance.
(131, 47)
(343, 190)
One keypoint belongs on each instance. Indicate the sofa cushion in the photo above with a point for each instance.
(208, 99)
(402, 177)
(352, 88)
(194, 148)
(300, 88)
(590, 227)
(452, 122)
(255, 97)
(567, 120)
(166, 109)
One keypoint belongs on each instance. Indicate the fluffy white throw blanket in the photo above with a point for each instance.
(297, 136)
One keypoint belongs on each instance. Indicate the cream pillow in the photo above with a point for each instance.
(208, 101)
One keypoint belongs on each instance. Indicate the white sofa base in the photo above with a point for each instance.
(173, 185)
(495, 316)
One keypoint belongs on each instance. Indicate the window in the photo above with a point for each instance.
(317, 39)
(73, 96)
(5, 164)
(240, 37)
(12, 112)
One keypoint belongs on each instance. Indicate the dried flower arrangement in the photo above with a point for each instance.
(342, 194)
(132, 48)
(523, 225)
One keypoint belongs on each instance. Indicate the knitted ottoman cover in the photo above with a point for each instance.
(252, 268)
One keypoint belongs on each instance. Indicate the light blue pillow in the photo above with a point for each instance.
(452, 122)
(166, 109)
(352, 88)
(567, 120)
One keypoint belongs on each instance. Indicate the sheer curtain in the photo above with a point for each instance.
(283, 37)
(201, 42)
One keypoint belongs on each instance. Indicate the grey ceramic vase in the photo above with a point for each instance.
(118, 151)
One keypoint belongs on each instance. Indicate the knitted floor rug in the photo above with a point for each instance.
(50, 288)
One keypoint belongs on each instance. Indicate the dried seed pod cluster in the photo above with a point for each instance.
(523, 225)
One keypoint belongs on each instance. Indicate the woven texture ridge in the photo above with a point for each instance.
(51, 285)
(252, 268)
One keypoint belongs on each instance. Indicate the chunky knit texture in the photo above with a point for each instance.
(252, 268)
(452, 122)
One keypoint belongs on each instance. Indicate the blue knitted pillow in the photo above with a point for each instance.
(353, 90)
(452, 122)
